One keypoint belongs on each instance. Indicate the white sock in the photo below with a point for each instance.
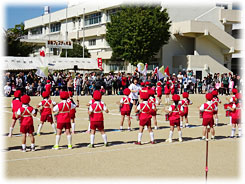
(104, 138)
(230, 120)
(57, 140)
(11, 130)
(121, 127)
(32, 145)
(54, 127)
(89, 126)
(73, 127)
(69, 139)
(181, 123)
(216, 121)
(180, 134)
(170, 134)
(39, 128)
(129, 128)
(240, 131)
(233, 130)
(139, 136)
(92, 138)
(186, 124)
(152, 136)
(23, 146)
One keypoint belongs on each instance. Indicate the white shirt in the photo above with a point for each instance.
(137, 88)
(25, 106)
(170, 109)
(97, 102)
(145, 102)
(209, 103)
(56, 108)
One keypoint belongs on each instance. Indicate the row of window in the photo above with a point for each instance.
(91, 19)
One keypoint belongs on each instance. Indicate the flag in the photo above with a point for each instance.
(42, 71)
(160, 72)
(144, 72)
(140, 67)
(42, 53)
(156, 70)
(166, 71)
(100, 63)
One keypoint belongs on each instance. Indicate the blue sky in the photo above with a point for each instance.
(15, 14)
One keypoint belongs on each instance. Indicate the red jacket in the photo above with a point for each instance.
(159, 90)
(26, 115)
(16, 104)
(236, 114)
(97, 113)
(208, 110)
(125, 106)
(64, 112)
(46, 104)
(72, 111)
(145, 111)
(175, 114)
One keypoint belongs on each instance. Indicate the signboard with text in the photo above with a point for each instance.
(59, 44)
(100, 63)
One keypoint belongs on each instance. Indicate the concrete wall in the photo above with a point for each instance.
(206, 47)
(177, 45)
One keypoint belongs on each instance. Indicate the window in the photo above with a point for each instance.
(37, 31)
(55, 27)
(74, 23)
(93, 19)
(111, 12)
(225, 6)
(79, 22)
(92, 42)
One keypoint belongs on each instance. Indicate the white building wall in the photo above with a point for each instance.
(206, 47)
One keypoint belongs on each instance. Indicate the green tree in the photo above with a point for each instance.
(77, 51)
(136, 33)
(14, 46)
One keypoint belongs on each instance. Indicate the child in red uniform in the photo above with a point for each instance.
(144, 110)
(167, 90)
(232, 100)
(159, 92)
(72, 111)
(185, 102)
(48, 86)
(25, 113)
(153, 101)
(16, 104)
(236, 115)
(216, 102)
(96, 118)
(208, 110)
(174, 117)
(90, 103)
(63, 119)
(46, 113)
(125, 108)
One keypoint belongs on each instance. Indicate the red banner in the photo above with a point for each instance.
(100, 63)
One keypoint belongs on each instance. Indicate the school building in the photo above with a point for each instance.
(205, 39)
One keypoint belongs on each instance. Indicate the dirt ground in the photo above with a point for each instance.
(123, 159)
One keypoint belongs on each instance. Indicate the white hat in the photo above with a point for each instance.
(173, 73)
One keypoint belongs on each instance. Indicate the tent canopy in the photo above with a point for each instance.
(54, 63)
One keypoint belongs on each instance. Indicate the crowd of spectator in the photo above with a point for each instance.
(114, 83)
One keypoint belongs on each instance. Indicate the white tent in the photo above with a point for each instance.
(54, 63)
